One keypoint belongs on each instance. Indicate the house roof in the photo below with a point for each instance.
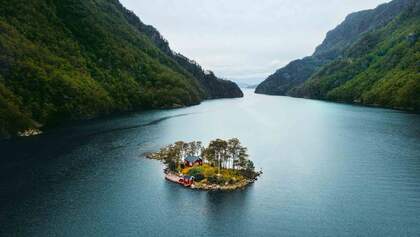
(192, 159)
(188, 177)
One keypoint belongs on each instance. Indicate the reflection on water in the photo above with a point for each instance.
(329, 170)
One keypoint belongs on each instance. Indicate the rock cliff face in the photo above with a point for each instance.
(333, 47)
(382, 68)
(356, 24)
(78, 59)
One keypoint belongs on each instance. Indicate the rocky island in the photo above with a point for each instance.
(221, 166)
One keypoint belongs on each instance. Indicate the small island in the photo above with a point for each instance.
(222, 165)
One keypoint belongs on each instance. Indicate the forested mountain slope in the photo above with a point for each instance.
(382, 68)
(76, 59)
(356, 33)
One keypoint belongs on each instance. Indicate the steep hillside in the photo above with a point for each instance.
(333, 47)
(294, 74)
(382, 68)
(77, 59)
(213, 86)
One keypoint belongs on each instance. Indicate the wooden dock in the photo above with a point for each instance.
(177, 179)
(173, 177)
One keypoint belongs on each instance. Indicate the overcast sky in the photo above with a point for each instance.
(245, 40)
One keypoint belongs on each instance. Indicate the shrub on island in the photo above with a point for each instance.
(223, 164)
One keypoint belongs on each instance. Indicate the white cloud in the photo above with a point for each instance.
(244, 39)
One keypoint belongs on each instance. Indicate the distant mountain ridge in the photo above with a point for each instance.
(303, 77)
(214, 87)
(66, 60)
(357, 24)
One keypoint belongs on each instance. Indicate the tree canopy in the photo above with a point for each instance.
(220, 154)
(79, 59)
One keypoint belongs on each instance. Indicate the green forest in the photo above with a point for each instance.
(64, 60)
(382, 68)
(371, 58)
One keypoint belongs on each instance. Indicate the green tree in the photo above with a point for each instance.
(242, 158)
(234, 147)
(219, 147)
(79, 59)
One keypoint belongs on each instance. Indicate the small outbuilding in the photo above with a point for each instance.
(193, 160)
(186, 180)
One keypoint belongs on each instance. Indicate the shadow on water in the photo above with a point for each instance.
(220, 215)
(216, 211)
(329, 169)
(154, 122)
(59, 142)
(24, 162)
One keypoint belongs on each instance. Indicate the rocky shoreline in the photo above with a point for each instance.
(223, 165)
(228, 187)
(30, 132)
(240, 185)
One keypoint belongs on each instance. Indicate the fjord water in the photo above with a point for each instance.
(329, 170)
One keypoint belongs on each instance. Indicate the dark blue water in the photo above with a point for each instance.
(329, 170)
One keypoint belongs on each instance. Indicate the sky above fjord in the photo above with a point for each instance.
(245, 40)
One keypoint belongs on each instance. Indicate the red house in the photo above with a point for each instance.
(193, 160)
(186, 180)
